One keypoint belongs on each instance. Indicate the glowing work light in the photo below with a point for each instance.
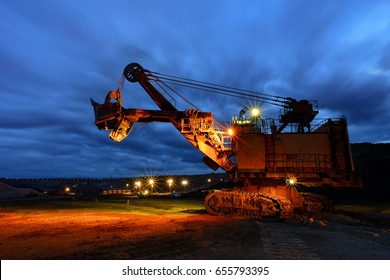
(255, 112)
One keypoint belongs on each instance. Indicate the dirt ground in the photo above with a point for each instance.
(177, 229)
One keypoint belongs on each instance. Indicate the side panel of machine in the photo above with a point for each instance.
(283, 152)
(250, 152)
(318, 158)
(340, 149)
(299, 152)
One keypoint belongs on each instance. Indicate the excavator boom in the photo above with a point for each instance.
(199, 128)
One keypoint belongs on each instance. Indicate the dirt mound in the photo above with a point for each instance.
(7, 191)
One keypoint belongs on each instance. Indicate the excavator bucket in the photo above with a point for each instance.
(121, 130)
(110, 116)
(106, 115)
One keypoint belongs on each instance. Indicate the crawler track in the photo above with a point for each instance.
(258, 205)
(315, 203)
(250, 204)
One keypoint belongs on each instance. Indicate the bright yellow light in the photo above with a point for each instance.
(291, 181)
(146, 192)
(255, 112)
(151, 181)
(184, 182)
(67, 189)
(137, 184)
(230, 132)
(209, 180)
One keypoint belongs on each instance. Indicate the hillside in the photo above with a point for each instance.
(7, 191)
(372, 165)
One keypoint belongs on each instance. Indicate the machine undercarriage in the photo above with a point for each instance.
(266, 202)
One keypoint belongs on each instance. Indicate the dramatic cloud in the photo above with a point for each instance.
(55, 55)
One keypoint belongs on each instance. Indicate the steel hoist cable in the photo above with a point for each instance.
(161, 83)
(222, 90)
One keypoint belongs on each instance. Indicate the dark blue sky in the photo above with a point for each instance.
(56, 54)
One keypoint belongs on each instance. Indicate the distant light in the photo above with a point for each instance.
(255, 112)
(230, 132)
(67, 189)
(151, 182)
(138, 184)
(146, 192)
(209, 180)
(184, 182)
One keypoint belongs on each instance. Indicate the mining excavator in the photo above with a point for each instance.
(272, 162)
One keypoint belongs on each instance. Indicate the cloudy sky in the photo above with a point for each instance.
(55, 55)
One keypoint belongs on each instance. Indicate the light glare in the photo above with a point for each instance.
(291, 181)
(255, 112)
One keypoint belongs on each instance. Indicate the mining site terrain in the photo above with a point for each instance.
(36, 226)
(169, 228)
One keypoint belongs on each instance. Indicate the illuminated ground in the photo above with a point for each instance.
(180, 229)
